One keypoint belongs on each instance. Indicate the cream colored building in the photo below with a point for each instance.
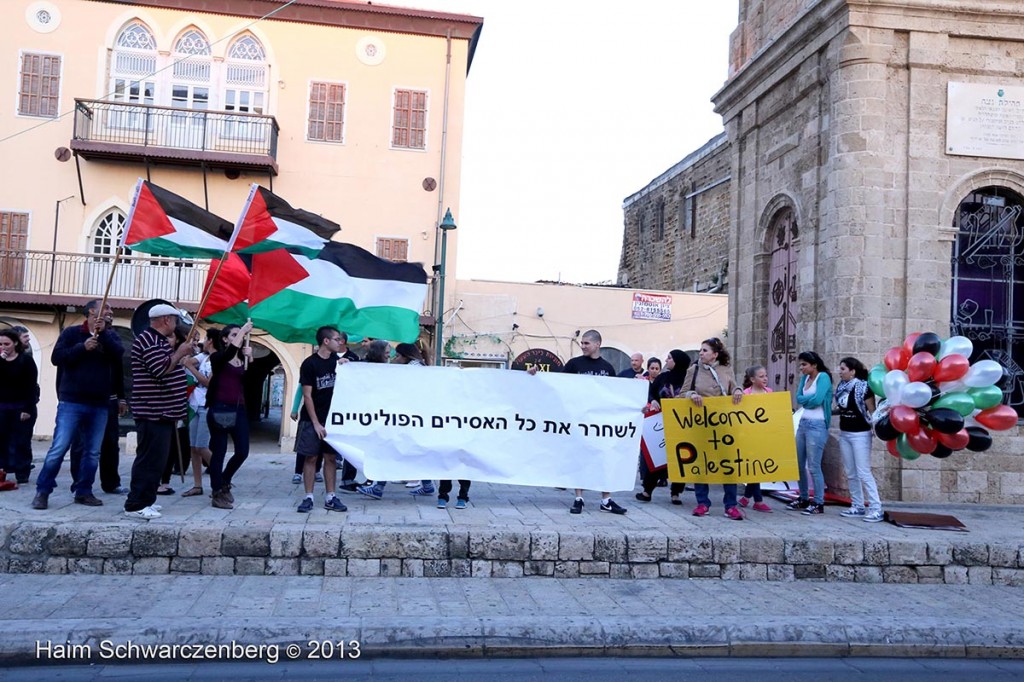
(350, 110)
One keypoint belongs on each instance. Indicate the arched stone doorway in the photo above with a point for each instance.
(987, 301)
(266, 398)
(782, 300)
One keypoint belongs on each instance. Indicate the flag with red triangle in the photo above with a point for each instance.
(269, 222)
(164, 224)
(228, 300)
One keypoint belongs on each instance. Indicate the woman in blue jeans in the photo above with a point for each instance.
(226, 413)
(815, 396)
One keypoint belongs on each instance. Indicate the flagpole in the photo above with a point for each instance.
(120, 249)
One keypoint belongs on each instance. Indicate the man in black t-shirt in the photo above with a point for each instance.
(593, 364)
(316, 377)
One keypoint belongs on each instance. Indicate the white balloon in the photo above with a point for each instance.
(915, 394)
(952, 386)
(893, 383)
(983, 373)
(955, 345)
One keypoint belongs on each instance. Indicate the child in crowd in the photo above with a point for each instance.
(755, 381)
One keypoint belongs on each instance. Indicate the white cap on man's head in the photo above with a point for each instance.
(162, 310)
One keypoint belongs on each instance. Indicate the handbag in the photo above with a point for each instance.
(225, 420)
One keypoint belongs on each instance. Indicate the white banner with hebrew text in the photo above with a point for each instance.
(401, 422)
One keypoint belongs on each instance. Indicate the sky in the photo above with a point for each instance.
(570, 108)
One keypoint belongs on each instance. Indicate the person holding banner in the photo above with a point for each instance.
(815, 397)
(755, 380)
(593, 364)
(317, 376)
(710, 377)
(668, 384)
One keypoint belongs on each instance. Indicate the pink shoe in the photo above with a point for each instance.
(734, 513)
(744, 502)
(700, 510)
(762, 507)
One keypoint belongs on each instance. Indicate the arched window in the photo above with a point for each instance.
(659, 220)
(988, 283)
(107, 235)
(133, 64)
(245, 88)
(190, 89)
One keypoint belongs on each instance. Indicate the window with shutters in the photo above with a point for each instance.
(13, 243)
(326, 112)
(393, 249)
(39, 85)
(409, 127)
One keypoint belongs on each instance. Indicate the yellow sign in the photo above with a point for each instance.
(725, 443)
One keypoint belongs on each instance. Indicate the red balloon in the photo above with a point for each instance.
(924, 441)
(954, 441)
(890, 445)
(908, 343)
(951, 368)
(998, 418)
(896, 358)
(904, 419)
(920, 366)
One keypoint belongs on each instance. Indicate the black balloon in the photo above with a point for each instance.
(929, 342)
(944, 420)
(941, 451)
(936, 391)
(980, 440)
(885, 430)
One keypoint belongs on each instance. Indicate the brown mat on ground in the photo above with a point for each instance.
(931, 521)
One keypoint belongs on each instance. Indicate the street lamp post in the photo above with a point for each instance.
(447, 224)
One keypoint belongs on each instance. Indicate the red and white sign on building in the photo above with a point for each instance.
(652, 306)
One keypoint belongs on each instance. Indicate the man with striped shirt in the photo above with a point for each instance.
(158, 402)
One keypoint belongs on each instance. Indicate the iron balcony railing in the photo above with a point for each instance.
(136, 277)
(198, 130)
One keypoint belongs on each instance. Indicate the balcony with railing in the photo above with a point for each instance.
(46, 277)
(192, 137)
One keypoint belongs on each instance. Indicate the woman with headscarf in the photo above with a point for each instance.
(668, 384)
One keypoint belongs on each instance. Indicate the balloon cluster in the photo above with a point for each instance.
(936, 401)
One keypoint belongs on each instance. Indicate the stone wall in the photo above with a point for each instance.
(691, 253)
(842, 119)
(30, 547)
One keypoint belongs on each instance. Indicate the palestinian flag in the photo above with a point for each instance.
(228, 300)
(163, 224)
(344, 286)
(269, 222)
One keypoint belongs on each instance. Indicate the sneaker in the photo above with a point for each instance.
(874, 517)
(424, 490)
(41, 501)
(798, 505)
(146, 513)
(319, 478)
(734, 513)
(334, 504)
(744, 502)
(762, 507)
(88, 500)
(610, 506)
(350, 488)
(370, 491)
(577, 506)
(411, 484)
(460, 504)
(701, 510)
(296, 478)
(853, 512)
(156, 507)
(306, 506)
(814, 510)
(442, 503)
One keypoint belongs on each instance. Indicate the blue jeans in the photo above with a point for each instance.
(74, 420)
(810, 446)
(703, 493)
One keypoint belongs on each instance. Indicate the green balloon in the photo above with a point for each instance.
(959, 401)
(876, 380)
(985, 397)
(903, 446)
